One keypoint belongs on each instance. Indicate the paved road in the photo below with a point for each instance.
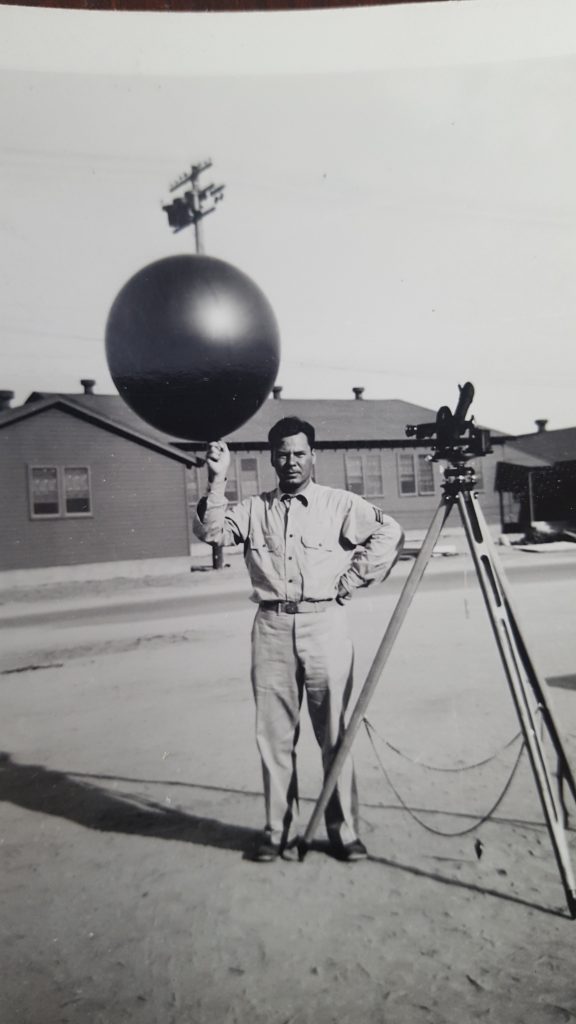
(164, 603)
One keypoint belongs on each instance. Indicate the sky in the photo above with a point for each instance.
(399, 182)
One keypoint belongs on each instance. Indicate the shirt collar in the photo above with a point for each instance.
(302, 496)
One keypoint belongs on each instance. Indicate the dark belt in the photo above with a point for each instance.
(296, 607)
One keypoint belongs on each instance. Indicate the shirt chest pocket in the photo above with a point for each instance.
(263, 544)
(317, 544)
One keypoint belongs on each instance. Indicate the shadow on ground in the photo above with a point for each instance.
(46, 791)
(52, 792)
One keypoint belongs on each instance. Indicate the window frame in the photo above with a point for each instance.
(363, 457)
(378, 455)
(351, 454)
(240, 477)
(62, 512)
(401, 493)
(77, 515)
(421, 458)
(193, 474)
(418, 458)
(233, 479)
(43, 515)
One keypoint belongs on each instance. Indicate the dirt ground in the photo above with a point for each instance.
(131, 795)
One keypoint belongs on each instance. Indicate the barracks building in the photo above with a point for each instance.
(85, 480)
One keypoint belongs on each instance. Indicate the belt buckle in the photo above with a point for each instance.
(290, 606)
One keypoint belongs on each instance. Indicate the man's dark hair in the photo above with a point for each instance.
(289, 426)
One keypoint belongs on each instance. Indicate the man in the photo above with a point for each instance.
(307, 548)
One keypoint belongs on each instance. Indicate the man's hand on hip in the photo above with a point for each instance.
(217, 460)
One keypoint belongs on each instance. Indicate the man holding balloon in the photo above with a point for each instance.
(307, 548)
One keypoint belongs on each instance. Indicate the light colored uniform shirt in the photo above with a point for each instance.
(321, 544)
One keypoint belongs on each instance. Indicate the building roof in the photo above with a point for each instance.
(511, 453)
(550, 445)
(110, 407)
(338, 422)
(98, 418)
(335, 420)
(339, 419)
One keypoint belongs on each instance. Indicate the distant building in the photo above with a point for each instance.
(86, 480)
(545, 489)
(79, 487)
(361, 445)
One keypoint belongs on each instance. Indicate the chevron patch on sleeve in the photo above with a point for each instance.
(378, 513)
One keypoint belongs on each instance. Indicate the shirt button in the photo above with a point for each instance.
(289, 558)
(290, 581)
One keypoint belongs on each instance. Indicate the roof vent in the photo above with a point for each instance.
(5, 399)
(88, 386)
(358, 393)
(277, 392)
(541, 425)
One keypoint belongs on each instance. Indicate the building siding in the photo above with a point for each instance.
(414, 511)
(138, 496)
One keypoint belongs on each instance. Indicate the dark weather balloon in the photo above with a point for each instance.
(193, 347)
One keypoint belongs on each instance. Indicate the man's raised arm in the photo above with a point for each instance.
(214, 522)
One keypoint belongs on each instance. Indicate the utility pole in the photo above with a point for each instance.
(191, 207)
(187, 209)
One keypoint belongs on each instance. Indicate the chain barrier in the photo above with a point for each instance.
(371, 733)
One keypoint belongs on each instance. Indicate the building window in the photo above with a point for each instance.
(77, 491)
(354, 472)
(374, 478)
(415, 475)
(249, 477)
(406, 474)
(425, 475)
(59, 492)
(232, 482)
(44, 492)
(193, 490)
(364, 473)
(196, 481)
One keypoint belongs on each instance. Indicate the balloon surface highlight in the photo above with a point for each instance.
(193, 346)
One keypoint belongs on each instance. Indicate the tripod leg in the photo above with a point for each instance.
(520, 674)
(538, 685)
(377, 667)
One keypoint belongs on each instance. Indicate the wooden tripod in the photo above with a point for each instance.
(529, 692)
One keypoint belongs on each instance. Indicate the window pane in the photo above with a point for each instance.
(77, 490)
(232, 484)
(374, 481)
(44, 486)
(425, 475)
(192, 486)
(406, 475)
(354, 474)
(249, 472)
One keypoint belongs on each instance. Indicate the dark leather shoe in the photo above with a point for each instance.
(351, 852)
(291, 851)
(266, 850)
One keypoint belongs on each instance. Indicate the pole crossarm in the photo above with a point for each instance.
(190, 208)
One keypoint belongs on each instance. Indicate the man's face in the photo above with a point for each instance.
(293, 461)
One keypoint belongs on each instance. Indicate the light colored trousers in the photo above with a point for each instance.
(293, 654)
